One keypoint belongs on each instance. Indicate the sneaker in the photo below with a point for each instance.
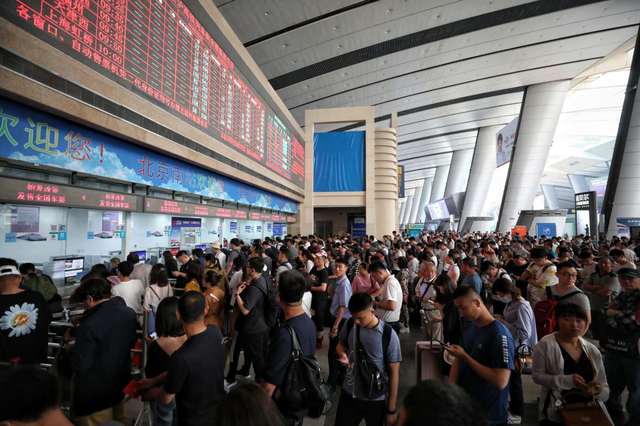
(514, 420)
(228, 386)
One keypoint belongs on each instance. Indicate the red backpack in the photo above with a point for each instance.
(545, 312)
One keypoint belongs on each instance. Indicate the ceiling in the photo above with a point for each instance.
(446, 67)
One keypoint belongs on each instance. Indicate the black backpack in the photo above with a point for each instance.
(271, 307)
(375, 382)
(303, 390)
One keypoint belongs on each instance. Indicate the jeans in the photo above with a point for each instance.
(623, 372)
(351, 411)
(164, 415)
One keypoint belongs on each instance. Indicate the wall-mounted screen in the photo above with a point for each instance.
(158, 49)
(438, 210)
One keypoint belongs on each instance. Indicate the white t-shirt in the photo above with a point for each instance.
(131, 291)
(391, 290)
(222, 259)
(306, 302)
(234, 282)
(154, 295)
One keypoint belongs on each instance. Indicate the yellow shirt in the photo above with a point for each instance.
(192, 286)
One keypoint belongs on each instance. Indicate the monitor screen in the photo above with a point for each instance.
(142, 255)
(438, 210)
(67, 267)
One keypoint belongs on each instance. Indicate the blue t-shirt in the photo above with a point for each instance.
(474, 281)
(341, 297)
(491, 346)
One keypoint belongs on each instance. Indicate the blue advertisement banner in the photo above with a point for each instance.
(38, 138)
(546, 229)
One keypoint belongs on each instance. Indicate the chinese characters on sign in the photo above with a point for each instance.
(160, 49)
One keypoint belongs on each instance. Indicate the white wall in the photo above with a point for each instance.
(138, 224)
(81, 222)
(33, 251)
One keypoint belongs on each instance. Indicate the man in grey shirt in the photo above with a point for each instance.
(601, 287)
(355, 404)
(566, 291)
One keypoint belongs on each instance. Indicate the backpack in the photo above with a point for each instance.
(375, 382)
(545, 312)
(303, 389)
(271, 308)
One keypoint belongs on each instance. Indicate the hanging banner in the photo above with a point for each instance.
(505, 139)
(400, 181)
(38, 138)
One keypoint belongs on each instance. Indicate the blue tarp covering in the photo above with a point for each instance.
(338, 161)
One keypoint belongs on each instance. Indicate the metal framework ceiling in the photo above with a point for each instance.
(447, 67)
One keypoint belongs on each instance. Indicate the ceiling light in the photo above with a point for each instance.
(267, 12)
(387, 31)
(335, 28)
(339, 46)
(388, 11)
(285, 45)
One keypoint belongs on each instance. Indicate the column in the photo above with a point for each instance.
(403, 204)
(550, 197)
(409, 205)
(539, 117)
(424, 199)
(458, 172)
(482, 168)
(413, 216)
(579, 183)
(386, 181)
(622, 197)
(439, 183)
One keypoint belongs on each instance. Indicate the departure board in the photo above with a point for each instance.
(158, 49)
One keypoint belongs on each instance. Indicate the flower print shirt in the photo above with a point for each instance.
(24, 326)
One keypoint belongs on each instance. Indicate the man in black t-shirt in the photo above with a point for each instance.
(253, 332)
(24, 319)
(184, 259)
(291, 288)
(319, 275)
(196, 371)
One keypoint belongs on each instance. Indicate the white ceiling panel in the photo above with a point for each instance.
(476, 69)
(452, 50)
(426, 162)
(419, 174)
(252, 19)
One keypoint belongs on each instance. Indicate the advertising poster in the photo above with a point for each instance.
(25, 219)
(505, 139)
(546, 230)
(400, 181)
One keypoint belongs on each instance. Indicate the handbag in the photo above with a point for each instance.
(592, 412)
(524, 359)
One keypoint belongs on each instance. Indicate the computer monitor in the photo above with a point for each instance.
(67, 267)
(142, 255)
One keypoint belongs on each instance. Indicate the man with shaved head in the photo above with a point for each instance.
(483, 365)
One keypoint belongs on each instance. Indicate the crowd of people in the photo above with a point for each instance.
(566, 311)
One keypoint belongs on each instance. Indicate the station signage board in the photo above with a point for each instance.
(53, 194)
(157, 205)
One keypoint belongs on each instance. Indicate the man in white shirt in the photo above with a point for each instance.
(130, 290)
(219, 254)
(141, 271)
(389, 303)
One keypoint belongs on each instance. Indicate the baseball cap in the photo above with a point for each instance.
(7, 270)
(629, 273)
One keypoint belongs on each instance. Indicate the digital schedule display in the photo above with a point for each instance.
(156, 205)
(49, 194)
(158, 49)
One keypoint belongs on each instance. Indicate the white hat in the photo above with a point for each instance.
(8, 270)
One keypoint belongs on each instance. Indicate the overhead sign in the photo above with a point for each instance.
(505, 140)
(159, 50)
(38, 138)
(586, 213)
(48, 194)
(156, 205)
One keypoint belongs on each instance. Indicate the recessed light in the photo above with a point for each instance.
(285, 45)
(344, 74)
(388, 11)
(339, 46)
(335, 28)
(387, 31)
(267, 12)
